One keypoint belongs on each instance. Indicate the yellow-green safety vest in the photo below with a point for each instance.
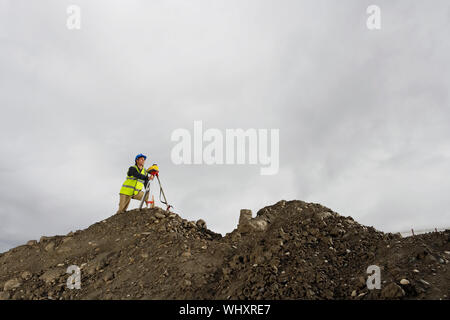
(133, 185)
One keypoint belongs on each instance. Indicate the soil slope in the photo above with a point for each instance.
(290, 250)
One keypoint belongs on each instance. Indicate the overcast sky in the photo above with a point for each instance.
(362, 114)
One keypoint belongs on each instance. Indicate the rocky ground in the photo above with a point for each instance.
(290, 250)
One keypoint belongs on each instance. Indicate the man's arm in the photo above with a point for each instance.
(134, 173)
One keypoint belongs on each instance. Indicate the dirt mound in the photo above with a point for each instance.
(291, 250)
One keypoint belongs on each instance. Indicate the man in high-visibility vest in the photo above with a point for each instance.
(137, 178)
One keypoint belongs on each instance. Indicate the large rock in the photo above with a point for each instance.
(49, 247)
(201, 224)
(392, 291)
(324, 214)
(258, 224)
(159, 215)
(26, 275)
(247, 224)
(64, 249)
(245, 216)
(4, 295)
(12, 284)
(44, 238)
(51, 275)
(31, 242)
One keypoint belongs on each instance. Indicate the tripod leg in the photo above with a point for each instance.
(147, 190)
(162, 192)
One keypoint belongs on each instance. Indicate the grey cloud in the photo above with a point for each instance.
(362, 114)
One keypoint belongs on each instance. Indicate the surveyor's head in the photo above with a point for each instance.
(140, 159)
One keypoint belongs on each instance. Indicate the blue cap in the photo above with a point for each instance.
(140, 155)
